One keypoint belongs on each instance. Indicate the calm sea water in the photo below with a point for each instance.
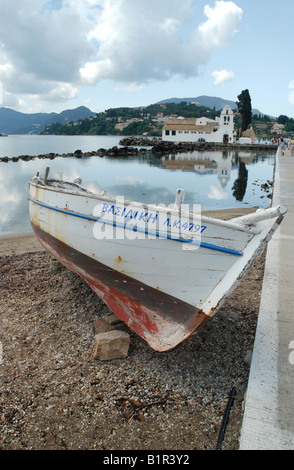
(216, 180)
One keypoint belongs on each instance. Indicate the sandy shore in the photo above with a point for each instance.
(19, 243)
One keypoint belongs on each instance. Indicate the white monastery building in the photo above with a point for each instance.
(220, 130)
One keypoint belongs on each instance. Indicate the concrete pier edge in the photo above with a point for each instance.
(268, 422)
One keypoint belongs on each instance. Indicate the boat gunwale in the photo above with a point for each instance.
(86, 193)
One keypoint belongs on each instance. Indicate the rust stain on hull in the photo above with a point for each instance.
(162, 320)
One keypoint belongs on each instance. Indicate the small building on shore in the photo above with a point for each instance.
(220, 130)
(248, 137)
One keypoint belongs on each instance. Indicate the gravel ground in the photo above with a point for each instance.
(55, 395)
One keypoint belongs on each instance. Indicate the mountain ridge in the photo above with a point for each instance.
(205, 100)
(15, 122)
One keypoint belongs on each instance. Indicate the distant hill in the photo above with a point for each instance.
(209, 101)
(14, 122)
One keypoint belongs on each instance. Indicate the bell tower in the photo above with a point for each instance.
(226, 122)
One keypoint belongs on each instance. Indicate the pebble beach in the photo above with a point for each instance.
(55, 395)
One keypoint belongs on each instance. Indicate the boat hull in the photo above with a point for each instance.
(161, 290)
(160, 319)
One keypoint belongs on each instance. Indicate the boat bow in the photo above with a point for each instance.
(164, 284)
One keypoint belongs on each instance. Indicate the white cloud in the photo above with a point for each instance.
(221, 77)
(131, 87)
(46, 45)
(11, 101)
(169, 26)
(50, 47)
(138, 43)
(130, 179)
(223, 21)
(41, 49)
(58, 92)
(217, 193)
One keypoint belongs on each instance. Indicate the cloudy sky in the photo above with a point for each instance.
(60, 54)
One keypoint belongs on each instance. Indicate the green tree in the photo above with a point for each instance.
(244, 108)
(282, 119)
(136, 128)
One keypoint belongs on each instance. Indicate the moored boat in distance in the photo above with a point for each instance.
(164, 271)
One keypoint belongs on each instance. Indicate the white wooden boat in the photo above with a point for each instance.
(163, 271)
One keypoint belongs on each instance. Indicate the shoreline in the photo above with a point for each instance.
(19, 243)
(129, 147)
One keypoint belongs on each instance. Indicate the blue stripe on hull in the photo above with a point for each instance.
(136, 229)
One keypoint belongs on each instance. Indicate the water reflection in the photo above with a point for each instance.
(216, 180)
(240, 185)
(222, 164)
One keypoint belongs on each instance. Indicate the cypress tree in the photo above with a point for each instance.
(244, 108)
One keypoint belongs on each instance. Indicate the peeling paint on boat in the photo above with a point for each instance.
(159, 288)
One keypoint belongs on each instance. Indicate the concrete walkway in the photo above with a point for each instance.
(269, 406)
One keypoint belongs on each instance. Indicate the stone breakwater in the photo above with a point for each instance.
(160, 146)
(129, 147)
